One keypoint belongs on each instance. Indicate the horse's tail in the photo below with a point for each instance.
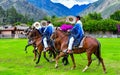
(98, 52)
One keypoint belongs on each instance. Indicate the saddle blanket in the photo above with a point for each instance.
(81, 43)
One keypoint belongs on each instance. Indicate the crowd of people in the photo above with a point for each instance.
(75, 30)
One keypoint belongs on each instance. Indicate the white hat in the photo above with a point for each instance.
(43, 23)
(36, 25)
(71, 19)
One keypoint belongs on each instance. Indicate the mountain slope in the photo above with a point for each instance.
(105, 7)
(57, 8)
(76, 9)
(51, 8)
(23, 7)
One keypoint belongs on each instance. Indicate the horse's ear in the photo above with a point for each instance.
(56, 28)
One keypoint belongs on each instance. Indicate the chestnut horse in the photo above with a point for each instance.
(36, 37)
(30, 42)
(90, 46)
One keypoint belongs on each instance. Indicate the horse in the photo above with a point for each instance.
(37, 38)
(30, 42)
(90, 46)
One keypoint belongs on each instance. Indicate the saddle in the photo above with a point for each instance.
(80, 45)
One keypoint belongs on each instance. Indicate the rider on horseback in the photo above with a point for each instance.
(76, 34)
(47, 34)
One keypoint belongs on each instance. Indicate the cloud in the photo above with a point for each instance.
(71, 3)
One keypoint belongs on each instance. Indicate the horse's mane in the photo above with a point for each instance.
(64, 33)
(38, 32)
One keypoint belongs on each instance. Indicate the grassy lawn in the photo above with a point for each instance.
(14, 60)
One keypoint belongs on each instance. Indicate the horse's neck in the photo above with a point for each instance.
(62, 36)
(38, 34)
(38, 41)
(61, 40)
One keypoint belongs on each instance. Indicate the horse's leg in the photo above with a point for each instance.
(89, 60)
(101, 60)
(44, 53)
(39, 55)
(65, 60)
(57, 58)
(54, 55)
(35, 53)
(26, 47)
(50, 53)
(73, 60)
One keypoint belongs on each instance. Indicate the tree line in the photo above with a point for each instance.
(92, 22)
(11, 16)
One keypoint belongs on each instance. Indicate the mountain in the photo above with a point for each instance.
(51, 8)
(57, 8)
(23, 7)
(76, 9)
(38, 9)
(105, 7)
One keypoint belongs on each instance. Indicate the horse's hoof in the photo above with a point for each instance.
(56, 66)
(37, 62)
(34, 59)
(72, 68)
(105, 72)
(85, 69)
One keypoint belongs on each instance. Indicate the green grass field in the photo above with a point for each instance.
(14, 60)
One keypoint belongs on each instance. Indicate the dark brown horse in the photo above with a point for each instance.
(30, 42)
(37, 38)
(90, 46)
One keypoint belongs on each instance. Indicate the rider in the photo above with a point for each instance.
(75, 33)
(47, 34)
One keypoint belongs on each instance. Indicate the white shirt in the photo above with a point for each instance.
(80, 22)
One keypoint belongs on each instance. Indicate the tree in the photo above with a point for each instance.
(115, 15)
(94, 16)
(2, 12)
(11, 15)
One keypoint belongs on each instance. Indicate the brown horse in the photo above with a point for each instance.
(37, 38)
(30, 42)
(90, 46)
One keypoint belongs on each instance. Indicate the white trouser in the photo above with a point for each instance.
(45, 42)
(70, 43)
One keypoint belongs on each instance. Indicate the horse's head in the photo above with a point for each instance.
(55, 34)
(59, 34)
(27, 31)
(34, 34)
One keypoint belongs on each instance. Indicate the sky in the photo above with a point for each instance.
(71, 3)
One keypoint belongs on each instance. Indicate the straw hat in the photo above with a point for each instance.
(71, 19)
